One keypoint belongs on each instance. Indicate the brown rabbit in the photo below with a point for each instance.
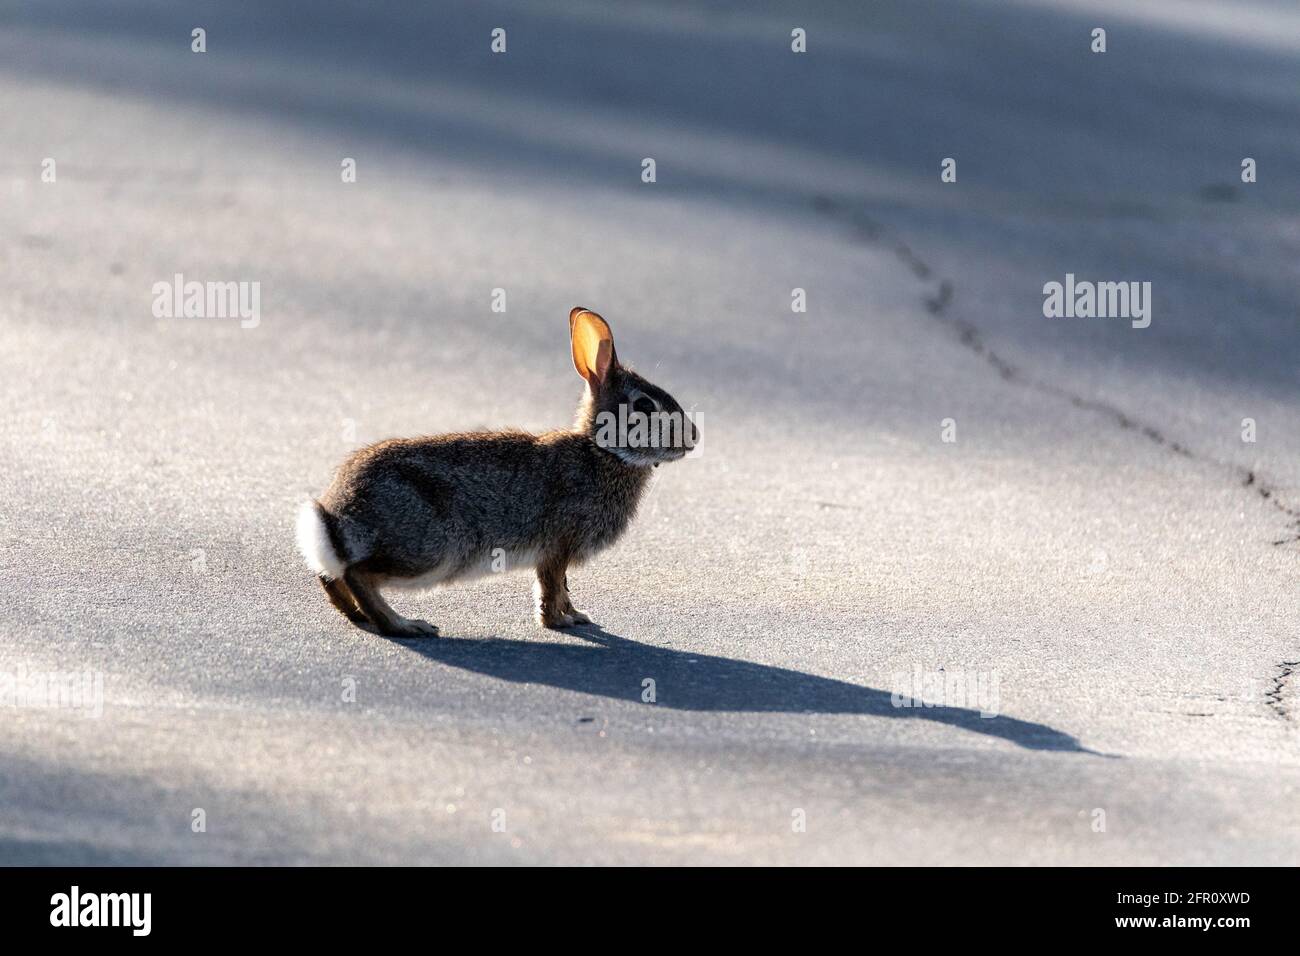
(414, 512)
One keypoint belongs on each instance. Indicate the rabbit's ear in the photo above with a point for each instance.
(593, 346)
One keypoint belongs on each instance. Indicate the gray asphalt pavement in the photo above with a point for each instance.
(1098, 552)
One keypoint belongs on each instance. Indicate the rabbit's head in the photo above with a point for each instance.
(624, 414)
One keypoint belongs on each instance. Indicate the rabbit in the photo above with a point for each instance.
(414, 512)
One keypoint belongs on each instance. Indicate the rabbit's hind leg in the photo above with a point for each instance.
(384, 618)
(342, 599)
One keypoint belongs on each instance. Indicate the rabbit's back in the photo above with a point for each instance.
(426, 510)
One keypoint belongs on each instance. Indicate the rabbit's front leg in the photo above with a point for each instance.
(554, 609)
(569, 609)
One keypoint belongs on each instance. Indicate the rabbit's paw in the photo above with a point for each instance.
(555, 621)
(578, 616)
(409, 627)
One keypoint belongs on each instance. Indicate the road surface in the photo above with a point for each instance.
(919, 475)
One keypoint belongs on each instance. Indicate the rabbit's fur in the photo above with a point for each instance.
(413, 512)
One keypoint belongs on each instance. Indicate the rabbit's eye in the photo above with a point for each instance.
(645, 406)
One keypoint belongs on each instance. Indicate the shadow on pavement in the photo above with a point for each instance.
(615, 667)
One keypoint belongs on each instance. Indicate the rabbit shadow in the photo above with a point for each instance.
(609, 665)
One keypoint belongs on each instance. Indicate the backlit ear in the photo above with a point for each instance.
(593, 346)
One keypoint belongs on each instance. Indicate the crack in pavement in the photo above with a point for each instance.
(1280, 681)
(937, 305)
(869, 230)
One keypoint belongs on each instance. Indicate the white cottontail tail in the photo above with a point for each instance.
(413, 512)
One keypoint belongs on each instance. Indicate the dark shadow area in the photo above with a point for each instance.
(615, 667)
(60, 852)
(725, 66)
